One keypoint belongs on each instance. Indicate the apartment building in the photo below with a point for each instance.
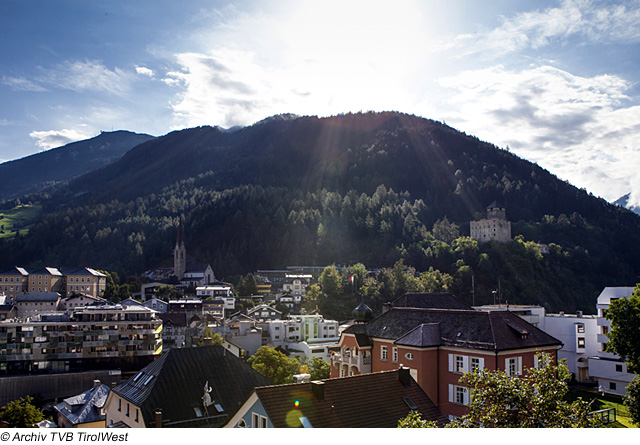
(92, 337)
(439, 338)
(14, 282)
(84, 281)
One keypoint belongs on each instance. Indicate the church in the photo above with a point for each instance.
(189, 274)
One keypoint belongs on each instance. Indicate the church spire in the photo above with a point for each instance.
(180, 254)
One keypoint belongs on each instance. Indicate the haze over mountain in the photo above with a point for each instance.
(372, 188)
(36, 172)
(623, 201)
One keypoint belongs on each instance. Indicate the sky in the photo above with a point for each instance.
(555, 82)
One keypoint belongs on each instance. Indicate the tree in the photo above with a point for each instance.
(446, 231)
(632, 400)
(414, 420)
(274, 365)
(21, 413)
(537, 400)
(329, 281)
(319, 369)
(624, 332)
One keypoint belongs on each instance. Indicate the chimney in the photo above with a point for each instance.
(386, 307)
(404, 375)
(158, 416)
(317, 387)
(579, 314)
(302, 378)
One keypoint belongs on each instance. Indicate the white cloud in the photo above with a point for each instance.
(583, 129)
(144, 71)
(22, 84)
(57, 138)
(88, 76)
(593, 20)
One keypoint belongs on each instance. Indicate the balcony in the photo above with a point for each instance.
(362, 363)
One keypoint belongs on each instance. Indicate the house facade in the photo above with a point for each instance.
(438, 344)
(83, 281)
(14, 282)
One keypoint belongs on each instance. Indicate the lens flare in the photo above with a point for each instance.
(296, 403)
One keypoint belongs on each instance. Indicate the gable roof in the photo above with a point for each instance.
(16, 271)
(374, 400)
(85, 407)
(50, 297)
(488, 330)
(175, 384)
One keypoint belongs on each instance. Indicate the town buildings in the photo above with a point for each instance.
(189, 387)
(377, 400)
(82, 338)
(495, 227)
(439, 338)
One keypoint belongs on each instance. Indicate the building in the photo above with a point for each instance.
(439, 344)
(299, 328)
(495, 227)
(83, 338)
(84, 410)
(13, 282)
(157, 305)
(376, 400)
(218, 290)
(577, 332)
(179, 254)
(47, 279)
(296, 285)
(610, 371)
(84, 281)
(244, 332)
(31, 304)
(79, 300)
(264, 312)
(190, 387)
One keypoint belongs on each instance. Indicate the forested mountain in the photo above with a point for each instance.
(371, 188)
(41, 170)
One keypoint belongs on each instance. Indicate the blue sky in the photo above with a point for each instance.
(555, 81)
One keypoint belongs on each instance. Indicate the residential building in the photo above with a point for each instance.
(245, 332)
(78, 300)
(47, 279)
(31, 304)
(577, 332)
(610, 371)
(377, 400)
(296, 285)
(82, 338)
(84, 410)
(439, 344)
(188, 387)
(218, 290)
(299, 328)
(495, 227)
(84, 281)
(13, 282)
(264, 312)
(157, 305)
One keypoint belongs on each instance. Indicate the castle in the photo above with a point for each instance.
(494, 228)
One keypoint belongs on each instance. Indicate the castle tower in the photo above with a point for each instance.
(495, 228)
(179, 254)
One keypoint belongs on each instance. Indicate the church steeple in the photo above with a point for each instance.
(180, 254)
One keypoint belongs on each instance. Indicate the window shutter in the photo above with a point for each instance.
(466, 397)
(481, 363)
(465, 363)
(451, 393)
(519, 365)
(506, 365)
(535, 362)
(450, 362)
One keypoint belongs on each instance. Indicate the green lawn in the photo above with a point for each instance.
(20, 217)
(605, 402)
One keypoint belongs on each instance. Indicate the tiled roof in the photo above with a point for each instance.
(374, 400)
(85, 407)
(488, 330)
(441, 300)
(175, 318)
(175, 384)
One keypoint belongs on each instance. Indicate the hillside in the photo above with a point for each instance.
(372, 188)
(34, 173)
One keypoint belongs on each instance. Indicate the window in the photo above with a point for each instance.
(618, 368)
(475, 363)
(137, 419)
(395, 355)
(242, 424)
(458, 395)
(513, 365)
(581, 343)
(612, 385)
(580, 328)
(409, 356)
(127, 413)
(459, 363)
(255, 420)
(383, 353)
(119, 404)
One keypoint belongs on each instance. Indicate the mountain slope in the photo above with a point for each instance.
(623, 201)
(358, 187)
(36, 172)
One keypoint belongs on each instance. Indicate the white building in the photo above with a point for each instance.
(301, 328)
(218, 290)
(609, 369)
(296, 285)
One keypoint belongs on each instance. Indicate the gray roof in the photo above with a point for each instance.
(423, 336)
(46, 271)
(488, 330)
(83, 271)
(175, 382)
(434, 300)
(85, 407)
(15, 271)
(51, 297)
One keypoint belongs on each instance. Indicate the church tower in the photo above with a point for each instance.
(179, 254)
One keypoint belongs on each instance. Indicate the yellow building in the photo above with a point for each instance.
(13, 282)
(84, 281)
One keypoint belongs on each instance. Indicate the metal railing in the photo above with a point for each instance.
(604, 416)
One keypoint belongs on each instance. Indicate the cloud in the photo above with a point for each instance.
(584, 129)
(57, 138)
(144, 71)
(22, 84)
(87, 76)
(592, 20)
